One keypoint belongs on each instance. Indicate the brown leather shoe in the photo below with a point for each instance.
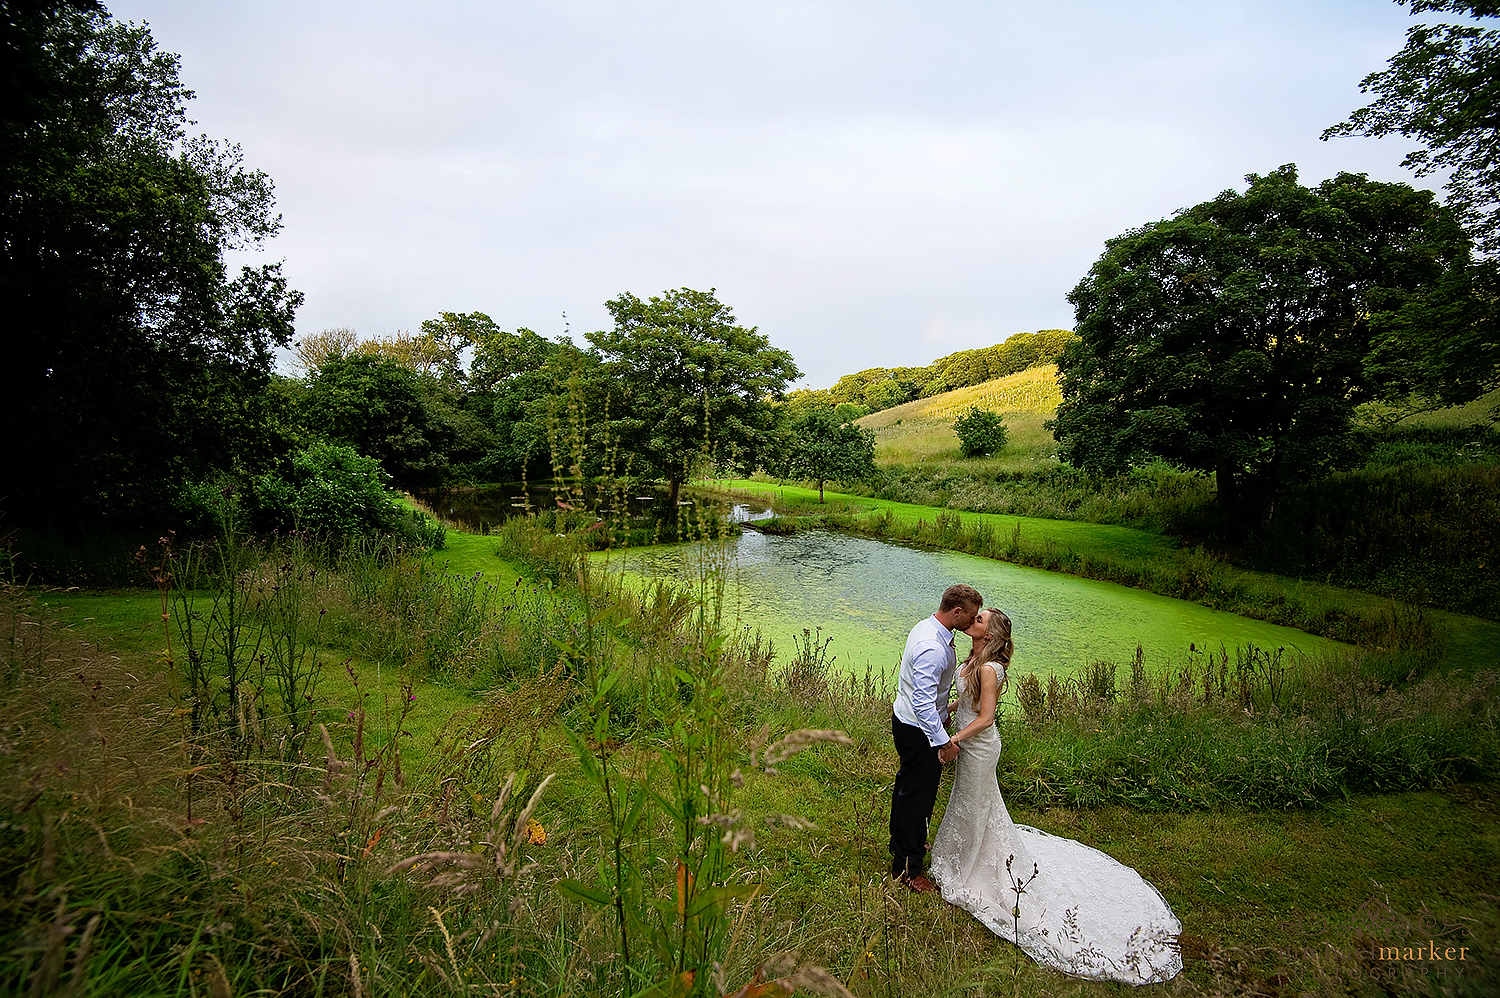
(919, 884)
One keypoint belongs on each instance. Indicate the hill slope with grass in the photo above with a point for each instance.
(921, 432)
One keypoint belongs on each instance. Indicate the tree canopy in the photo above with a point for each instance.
(683, 381)
(135, 360)
(1443, 89)
(824, 447)
(1238, 336)
(376, 405)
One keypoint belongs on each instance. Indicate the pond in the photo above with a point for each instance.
(866, 594)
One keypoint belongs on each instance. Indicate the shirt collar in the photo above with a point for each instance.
(947, 634)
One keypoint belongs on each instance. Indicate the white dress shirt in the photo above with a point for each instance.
(927, 668)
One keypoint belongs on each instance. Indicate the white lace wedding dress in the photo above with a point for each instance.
(1084, 913)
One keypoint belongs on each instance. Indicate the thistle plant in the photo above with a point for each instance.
(1018, 887)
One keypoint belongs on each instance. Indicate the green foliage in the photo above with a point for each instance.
(1442, 89)
(512, 377)
(411, 402)
(332, 492)
(1421, 532)
(137, 361)
(376, 406)
(1239, 336)
(1439, 446)
(683, 381)
(980, 432)
(1244, 727)
(823, 447)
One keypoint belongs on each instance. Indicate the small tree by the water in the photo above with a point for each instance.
(826, 448)
(980, 432)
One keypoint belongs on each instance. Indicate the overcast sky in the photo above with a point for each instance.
(870, 183)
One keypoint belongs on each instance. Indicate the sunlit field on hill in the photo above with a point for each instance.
(1485, 409)
(922, 431)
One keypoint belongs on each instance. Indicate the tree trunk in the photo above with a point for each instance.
(1246, 501)
(1228, 486)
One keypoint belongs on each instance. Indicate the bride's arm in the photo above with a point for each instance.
(989, 689)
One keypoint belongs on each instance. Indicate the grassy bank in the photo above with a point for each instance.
(482, 785)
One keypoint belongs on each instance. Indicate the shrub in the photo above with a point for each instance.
(330, 491)
(980, 432)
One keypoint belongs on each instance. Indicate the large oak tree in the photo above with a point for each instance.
(1239, 336)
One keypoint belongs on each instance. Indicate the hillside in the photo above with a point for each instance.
(921, 431)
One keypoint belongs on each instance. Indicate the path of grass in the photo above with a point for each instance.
(466, 554)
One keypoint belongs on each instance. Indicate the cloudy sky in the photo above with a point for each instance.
(870, 182)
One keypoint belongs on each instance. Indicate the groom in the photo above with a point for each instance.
(918, 721)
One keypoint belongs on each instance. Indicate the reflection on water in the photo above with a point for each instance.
(476, 510)
(867, 594)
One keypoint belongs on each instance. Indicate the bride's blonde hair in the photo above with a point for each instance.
(994, 646)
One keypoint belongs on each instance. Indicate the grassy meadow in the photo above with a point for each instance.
(921, 432)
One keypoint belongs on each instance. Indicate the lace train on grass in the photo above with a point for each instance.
(1081, 912)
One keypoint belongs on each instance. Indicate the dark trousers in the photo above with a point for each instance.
(912, 798)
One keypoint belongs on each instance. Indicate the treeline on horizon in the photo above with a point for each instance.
(877, 388)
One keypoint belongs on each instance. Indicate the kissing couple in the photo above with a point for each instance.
(1067, 905)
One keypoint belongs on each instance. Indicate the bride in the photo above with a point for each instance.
(1066, 905)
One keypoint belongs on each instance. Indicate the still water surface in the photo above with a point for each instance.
(866, 594)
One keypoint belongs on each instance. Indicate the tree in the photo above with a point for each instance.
(135, 362)
(333, 492)
(1238, 336)
(316, 350)
(1443, 89)
(826, 448)
(510, 382)
(684, 381)
(376, 406)
(980, 432)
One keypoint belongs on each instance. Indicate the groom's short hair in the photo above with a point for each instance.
(960, 595)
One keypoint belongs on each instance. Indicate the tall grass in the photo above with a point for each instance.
(1422, 532)
(344, 870)
(1244, 729)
